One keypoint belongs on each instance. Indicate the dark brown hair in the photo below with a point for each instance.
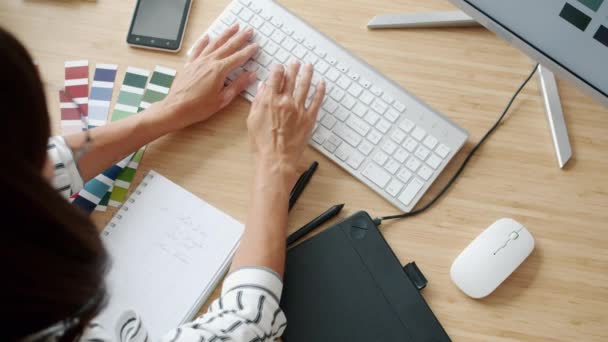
(52, 259)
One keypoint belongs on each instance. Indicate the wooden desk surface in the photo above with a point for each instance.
(559, 293)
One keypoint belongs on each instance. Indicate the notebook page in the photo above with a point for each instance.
(168, 248)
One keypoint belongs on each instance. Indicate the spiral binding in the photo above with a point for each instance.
(137, 192)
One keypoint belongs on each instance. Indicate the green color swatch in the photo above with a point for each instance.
(156, 90)
(594, 5)
(131, 93)
(575, 17)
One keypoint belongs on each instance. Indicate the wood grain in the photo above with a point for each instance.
(559, 294)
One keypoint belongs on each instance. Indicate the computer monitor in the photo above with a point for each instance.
(570, 37)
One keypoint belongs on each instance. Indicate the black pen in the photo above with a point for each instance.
(310, 226)
(301, 184)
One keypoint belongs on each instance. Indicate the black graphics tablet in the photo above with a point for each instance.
(346, 284)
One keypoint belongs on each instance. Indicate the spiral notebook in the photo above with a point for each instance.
(169, 250)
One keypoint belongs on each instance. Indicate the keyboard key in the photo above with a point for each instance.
(389, 146)
(288, 30)
(256, 22)
(320, 52)
(379, 106)
(264, 59)
(342, 113)
(353, 76)
(398, 135)
(401, 155)
(365, 147)
(360, 110)
(387, 98)
(372, 118)
(246, 14)
(434, 161)
(430, 142)
(342, 67)
(392, 166)
(236, 8)
(278, 36)
(422, 152)
(271, 48)
(425, 172)
(330, 105)
(413, 163)
(320, 135)
(343, 82)
(376, 91)
(442, 150)
(355, 159)
(282, 56)
(406, 125)
(404, 175)
(334, 140)
(333, 75)
(337, 94)
(367, 98)
(311, 58)
(343, 152)
(322, 67)
(245, 2)
(309, 45)
(418, 133)
(347, 134)
(355, 90)
(358, 125)
(411, 190)
(266, 29)
(321, 114)
(383, 126)
(276, 22)
(228, 19)
(331, 60)
(394, 187)
(329, 146)
(399, 106)
(299, 52)
(380, 158)
(328, 121)
(365, 83)
(376, 174)
(298, 37)
(348, 102)
(410, 144)
(266, 15)
(374, 136)
(391, 115)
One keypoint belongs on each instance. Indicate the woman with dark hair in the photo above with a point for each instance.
(53, 260)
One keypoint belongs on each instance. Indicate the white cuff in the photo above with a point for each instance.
(251, 276)
(71, 166)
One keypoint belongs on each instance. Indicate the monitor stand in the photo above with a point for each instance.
(548, 86)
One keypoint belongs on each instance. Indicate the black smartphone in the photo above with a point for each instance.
(159, 24)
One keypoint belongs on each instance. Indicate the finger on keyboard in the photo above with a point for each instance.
(222, 39)
(234, 44)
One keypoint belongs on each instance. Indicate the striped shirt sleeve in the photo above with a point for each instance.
(247, 311)
(67, 179)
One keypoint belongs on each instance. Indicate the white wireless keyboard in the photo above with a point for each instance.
(368, 125)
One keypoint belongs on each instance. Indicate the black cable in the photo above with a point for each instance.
(379, 220)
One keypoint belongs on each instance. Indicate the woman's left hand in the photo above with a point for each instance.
(199, 91)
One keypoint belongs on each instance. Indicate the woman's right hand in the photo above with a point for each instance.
(279, 123)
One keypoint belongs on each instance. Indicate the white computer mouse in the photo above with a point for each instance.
(491, 257)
